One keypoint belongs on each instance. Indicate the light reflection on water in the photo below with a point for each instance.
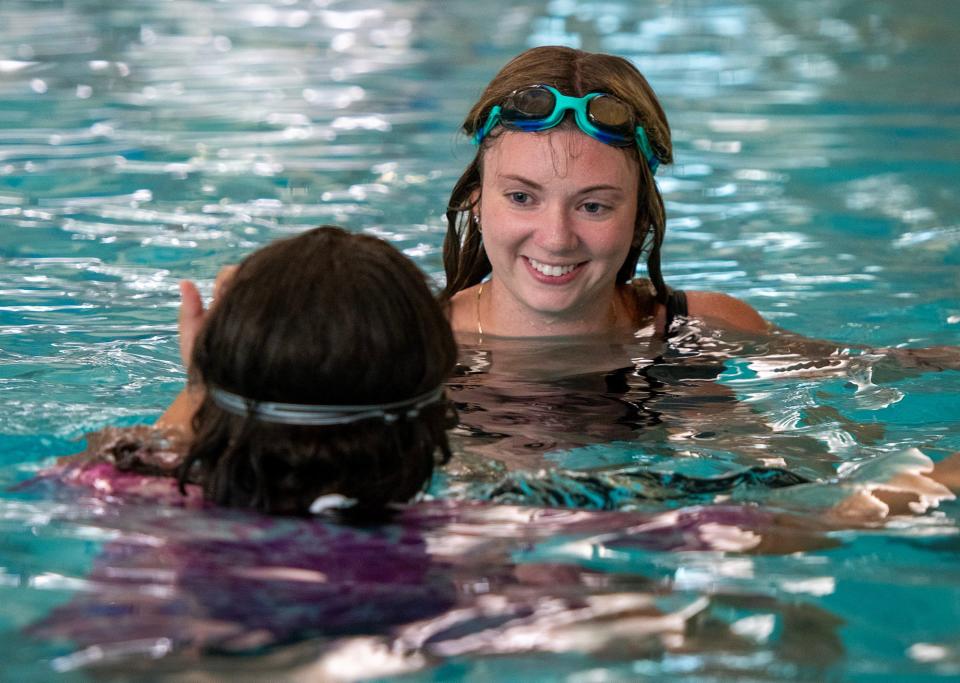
(817, 147)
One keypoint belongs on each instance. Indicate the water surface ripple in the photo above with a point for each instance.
(614, 512)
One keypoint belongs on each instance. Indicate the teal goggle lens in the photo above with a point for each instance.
(601, 116)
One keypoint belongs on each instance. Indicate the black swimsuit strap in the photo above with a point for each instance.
(676, 307)
(675, 304)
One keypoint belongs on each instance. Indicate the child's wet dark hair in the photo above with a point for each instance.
(329, 318)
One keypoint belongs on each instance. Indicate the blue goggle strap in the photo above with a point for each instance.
(643, 142)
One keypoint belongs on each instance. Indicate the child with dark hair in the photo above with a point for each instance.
(317, 372)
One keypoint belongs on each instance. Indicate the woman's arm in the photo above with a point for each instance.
(725, 312)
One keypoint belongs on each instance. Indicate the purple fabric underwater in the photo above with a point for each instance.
(214, 580)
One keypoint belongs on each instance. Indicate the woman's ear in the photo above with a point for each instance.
(474, 204)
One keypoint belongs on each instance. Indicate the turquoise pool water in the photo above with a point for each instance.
(818, 154)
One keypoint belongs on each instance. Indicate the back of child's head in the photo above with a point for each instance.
(309, 325)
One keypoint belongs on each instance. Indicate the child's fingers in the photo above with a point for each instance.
(190, 318)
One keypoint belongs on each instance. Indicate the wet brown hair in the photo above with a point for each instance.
(575, 73)
(330, 318)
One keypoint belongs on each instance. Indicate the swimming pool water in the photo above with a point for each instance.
(818, 153)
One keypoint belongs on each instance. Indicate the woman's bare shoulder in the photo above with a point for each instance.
(724, 311)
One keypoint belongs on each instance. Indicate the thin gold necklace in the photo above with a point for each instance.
(613, 310)
(479, 294)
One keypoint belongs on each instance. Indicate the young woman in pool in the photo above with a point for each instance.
(545, 229)
(560, 203)
(319, 370)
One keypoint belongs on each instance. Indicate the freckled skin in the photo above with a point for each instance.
(562, 199)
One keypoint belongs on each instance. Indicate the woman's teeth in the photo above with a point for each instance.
(552, 271)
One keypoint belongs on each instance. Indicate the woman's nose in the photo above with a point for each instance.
(556, 233)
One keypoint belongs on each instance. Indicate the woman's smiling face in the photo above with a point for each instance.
(558, 211)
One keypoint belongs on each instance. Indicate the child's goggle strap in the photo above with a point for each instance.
(601, 116)
(312, 415)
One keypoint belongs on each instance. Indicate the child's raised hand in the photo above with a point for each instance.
(192, 313)
(190, 319)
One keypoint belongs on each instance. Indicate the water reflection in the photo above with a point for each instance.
(458, 580)
(817, 156)
(528, 404)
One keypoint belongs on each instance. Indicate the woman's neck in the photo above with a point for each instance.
(499, 314)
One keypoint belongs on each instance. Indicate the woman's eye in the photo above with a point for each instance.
(519, 197)
(593, 207)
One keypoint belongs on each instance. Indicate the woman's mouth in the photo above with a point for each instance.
(552, 273)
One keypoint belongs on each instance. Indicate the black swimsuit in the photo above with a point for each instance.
(675, 304)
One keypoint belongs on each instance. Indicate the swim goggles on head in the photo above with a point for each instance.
(311, 415)
(599, 115)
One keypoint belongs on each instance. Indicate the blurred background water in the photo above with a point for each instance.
(817, 151)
